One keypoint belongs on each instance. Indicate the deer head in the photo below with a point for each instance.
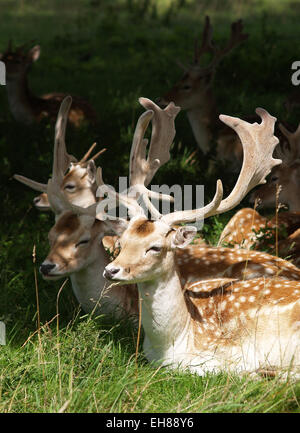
(192, 89)
(19, 60)
(284, 179)
(79, 182)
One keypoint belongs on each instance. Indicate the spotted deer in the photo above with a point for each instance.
(238, 326)
(25, 106)
(194, 93)
(279, 234)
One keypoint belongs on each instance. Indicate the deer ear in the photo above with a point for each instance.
(34, 53)
(183, 236)
(91, 170)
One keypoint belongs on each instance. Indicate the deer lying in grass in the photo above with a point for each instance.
(76, 247)
(194, 93)
(250, 230)
(76, 238)
(238, 326)
(28, 108)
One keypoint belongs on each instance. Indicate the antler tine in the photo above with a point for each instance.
(94, 157)
(37, 186)
(258, 142)
(87, 154)
(207, 42)
(294, 142)
(236, 37)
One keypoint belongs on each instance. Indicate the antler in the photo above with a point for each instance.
(86, 156)
(207, 43)
(258, 142)
(236, 37)
(61, 159)
(289, 155)
(141, 168)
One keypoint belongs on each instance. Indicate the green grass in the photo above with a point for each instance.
(112, 52)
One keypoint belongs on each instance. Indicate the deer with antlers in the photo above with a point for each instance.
(79, 181)
(76, 238)
(237, 326)
(194, 93)
(249, 229)
(76, 247)
(28, 108)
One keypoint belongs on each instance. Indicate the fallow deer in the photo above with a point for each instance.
(76, 247)
(194, 93)
(28, 108)
(76, 238)
(239, 326)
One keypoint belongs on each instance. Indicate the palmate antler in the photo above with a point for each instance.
(258, 142)
(142, 168)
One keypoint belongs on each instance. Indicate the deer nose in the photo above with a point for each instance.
(36, 200)
(110, 272)
(46, 268)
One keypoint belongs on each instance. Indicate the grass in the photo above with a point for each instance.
(112, 52)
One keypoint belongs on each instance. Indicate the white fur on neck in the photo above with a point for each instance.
(164, 317)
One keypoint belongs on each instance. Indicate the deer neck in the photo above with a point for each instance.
(88, 283)
(20, 99)
(202, 118)
(165, 316)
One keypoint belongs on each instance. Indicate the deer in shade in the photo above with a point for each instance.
(28, 108)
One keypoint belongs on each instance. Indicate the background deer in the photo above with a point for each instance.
(194, 93)
(28, 108)
(238, 326)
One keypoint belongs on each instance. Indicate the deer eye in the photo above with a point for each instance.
(69, 187)
(155, 249)
(274, 178)
(187, 87)
(82, 242)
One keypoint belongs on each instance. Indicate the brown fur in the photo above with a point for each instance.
(68, 223)
(143, 228)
